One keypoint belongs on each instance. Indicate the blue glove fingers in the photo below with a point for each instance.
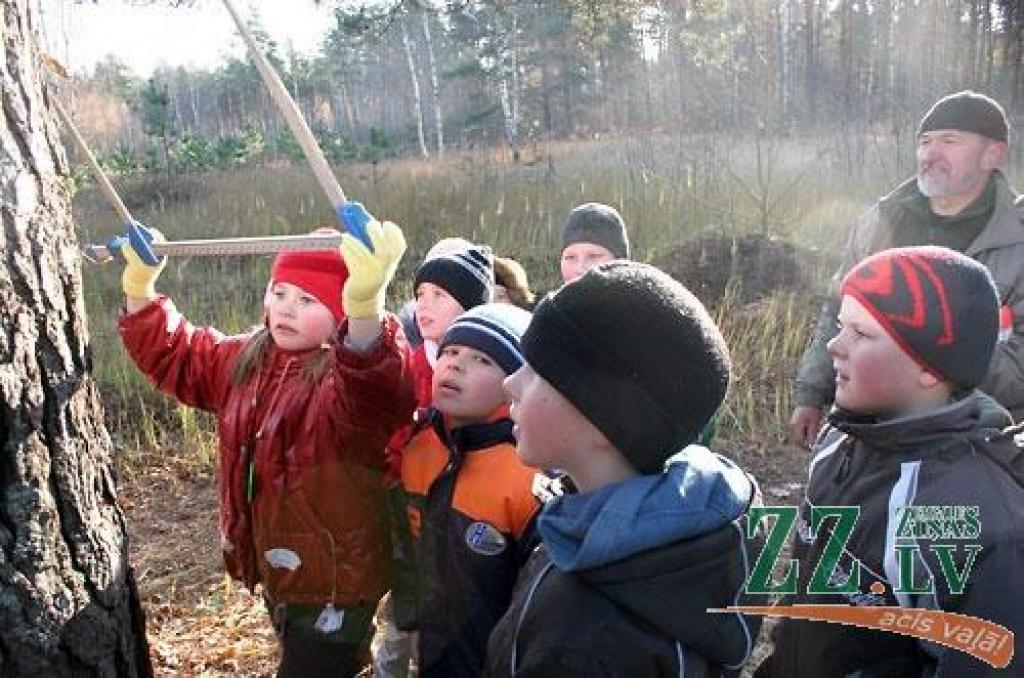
(354, 217)
(140, 239)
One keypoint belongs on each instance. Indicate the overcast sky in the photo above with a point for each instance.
(144, 35)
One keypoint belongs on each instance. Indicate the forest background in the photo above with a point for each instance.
(737, 137)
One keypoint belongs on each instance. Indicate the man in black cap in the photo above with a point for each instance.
(960, 200)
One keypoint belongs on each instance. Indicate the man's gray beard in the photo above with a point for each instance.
(932, 189)
(929, 191)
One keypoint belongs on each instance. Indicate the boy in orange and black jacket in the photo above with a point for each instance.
(469, 504)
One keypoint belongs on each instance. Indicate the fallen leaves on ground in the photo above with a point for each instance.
(198, 621)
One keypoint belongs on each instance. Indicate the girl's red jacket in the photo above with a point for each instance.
(302, 503)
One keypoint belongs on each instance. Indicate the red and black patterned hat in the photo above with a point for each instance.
(940, 306)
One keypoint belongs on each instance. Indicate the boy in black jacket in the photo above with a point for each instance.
(656, 534)
(911, 438)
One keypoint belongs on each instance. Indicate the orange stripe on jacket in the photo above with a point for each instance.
(493, 485)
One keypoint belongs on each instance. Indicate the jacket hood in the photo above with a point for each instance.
(698, 492)
(666, 548)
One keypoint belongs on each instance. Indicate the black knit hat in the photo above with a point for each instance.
(599, 224)
(940, 306)
(967, 111)
(636, 353)
(467, 274)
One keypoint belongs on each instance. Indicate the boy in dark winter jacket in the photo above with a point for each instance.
(407, 314)
(911, 436)
(470, 506)
(629, 565)
(445, 286)
(451, 280)
(455, 276)
(592, 234)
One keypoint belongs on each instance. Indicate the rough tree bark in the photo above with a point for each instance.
(68, 603)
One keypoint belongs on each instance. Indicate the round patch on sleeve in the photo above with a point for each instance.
(485, 539)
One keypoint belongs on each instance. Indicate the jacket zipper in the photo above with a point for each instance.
(844, 466)
(250, 450)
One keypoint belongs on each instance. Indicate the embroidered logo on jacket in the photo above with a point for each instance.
(485, 539)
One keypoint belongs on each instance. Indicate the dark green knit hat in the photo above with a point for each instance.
(636, 353)
(599, 224)
(967, 111)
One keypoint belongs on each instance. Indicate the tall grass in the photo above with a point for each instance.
(766, 340)
(668, 189)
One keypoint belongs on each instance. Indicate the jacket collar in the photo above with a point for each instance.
(495, 430)
(914, 432)
(1004, 228)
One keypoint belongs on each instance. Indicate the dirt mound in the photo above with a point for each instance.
(750, 267)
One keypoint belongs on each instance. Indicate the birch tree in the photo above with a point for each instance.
(414, 81)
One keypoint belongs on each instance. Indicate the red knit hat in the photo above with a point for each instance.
(940, 306)
(321, 273)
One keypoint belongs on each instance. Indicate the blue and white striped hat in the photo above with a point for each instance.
(494, 329)
(467, 274)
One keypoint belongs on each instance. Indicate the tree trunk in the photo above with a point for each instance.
(509, 92)
(511, 132)
(975, 42)
(986, 45)
(516, 93)
(417, 101)
(681, 70)
(882, 93)
(435, 85)
(783, 18)
(193, 101)
(341, 104)
(1013, 52)
(847, 97)
(811, 57)
(70, 605)
(931, 56)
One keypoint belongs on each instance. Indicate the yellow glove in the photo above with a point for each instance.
(139, 277)
(369, 273)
